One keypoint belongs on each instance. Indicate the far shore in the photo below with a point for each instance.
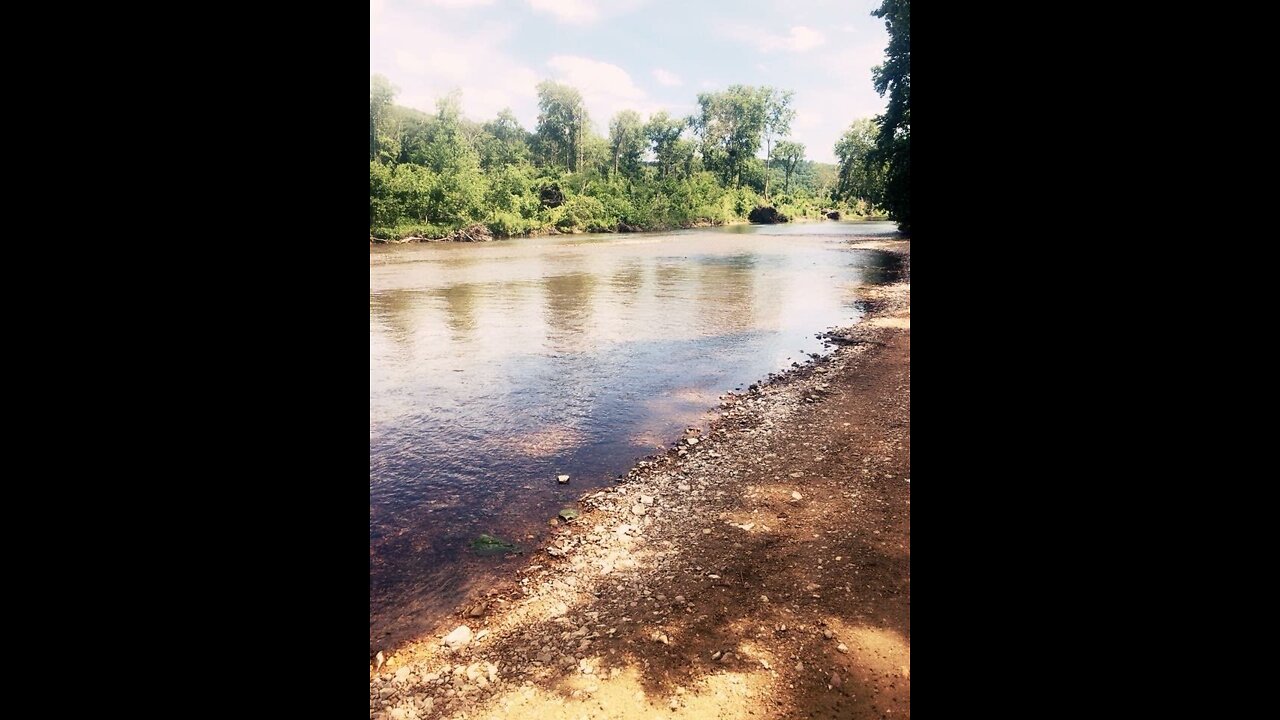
(479, 233)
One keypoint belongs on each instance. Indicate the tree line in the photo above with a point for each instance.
(431, 173)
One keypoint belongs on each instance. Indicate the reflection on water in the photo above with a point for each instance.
(495, 367)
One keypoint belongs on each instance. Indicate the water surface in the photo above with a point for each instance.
(494, 367)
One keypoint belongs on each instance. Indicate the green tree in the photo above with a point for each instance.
(626, 142)
(562, 125)
(504, 142)
(893, 147)
(663, 133)
(381, 93)
(731, 124)
(457, 194)
(860, 176)
(777, 122)
(789, 154)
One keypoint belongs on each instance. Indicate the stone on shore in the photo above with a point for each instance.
(459, 638)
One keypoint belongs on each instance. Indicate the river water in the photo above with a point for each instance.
(494, 367)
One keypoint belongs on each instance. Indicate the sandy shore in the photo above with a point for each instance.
(758, 569)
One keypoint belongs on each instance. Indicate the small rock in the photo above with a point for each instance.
(692, 441)
(800, 667)
(646, 499)
(386, 692)
(399, 714)
(835, 680)
(828, 634)
(427, 705)
(637, 509)
(842, 648)
(562, 479)
(796, 496)
(458, 638)
(380, 660)
(402, 675)
(682, 487)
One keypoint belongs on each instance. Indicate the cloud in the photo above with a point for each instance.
(574, 12)
(427, 62)
(458, 3)
(605, 88)
(669, 79)
(799, 39)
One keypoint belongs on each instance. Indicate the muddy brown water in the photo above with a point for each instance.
(495, 367)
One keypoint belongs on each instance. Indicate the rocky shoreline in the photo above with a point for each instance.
(760, 567)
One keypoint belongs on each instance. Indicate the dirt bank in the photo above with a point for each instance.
(761, 568)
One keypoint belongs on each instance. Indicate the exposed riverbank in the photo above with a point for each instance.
(762, 567)
(478, 232)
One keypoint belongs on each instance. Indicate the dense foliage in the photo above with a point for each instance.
(893, 145)
(433, 173)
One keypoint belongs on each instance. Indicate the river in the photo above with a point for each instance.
(494, 367)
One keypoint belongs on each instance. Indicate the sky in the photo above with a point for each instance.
(642, 55)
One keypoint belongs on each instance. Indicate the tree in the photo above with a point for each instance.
(777, 121)
(381, 93)
(626, 141)
(503, 142)
(731, 124)
(663, 132)
(562, 124)
(789, 154)
(457, 194)
(860, 176)
(893, 147)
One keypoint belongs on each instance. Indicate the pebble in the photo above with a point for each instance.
(402, 675)
(828, 634)
(646, 499)
(835, 680)
(796, 496)
(378, 657)
(637, 509)
(458, 638)
(842, 648)
(692, 441)
(562, 479)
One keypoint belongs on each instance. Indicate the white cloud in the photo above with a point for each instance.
(427, 62)
(669, 79)
(458, 3)
(799, 39)
(605, 88)
(575, 12)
